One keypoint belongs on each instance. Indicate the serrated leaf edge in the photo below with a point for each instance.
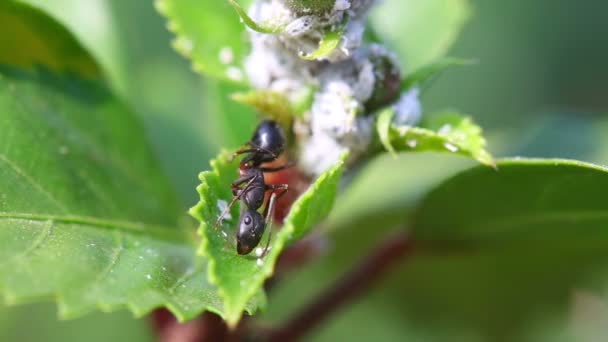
(181, 42)
(281, 239)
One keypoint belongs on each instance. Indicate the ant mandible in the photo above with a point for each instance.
(266, 145)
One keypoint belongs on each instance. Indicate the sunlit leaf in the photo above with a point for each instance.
(252, 24)
(270, 104)
(210, 34)
(237, 277)
(447, 132)
(327, 44)
(420, 31)
(30, 38)
(86, 215)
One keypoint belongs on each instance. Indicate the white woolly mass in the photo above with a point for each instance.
(334, 110)
(408, 109)
(302, 34)
(357, 72)
(336, 125)
(270, 66)
(341, 5)
(346, 79)
(319, 153)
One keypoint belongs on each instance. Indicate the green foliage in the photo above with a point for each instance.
(512, 244)
(237, 277)
(327, 45)
(424, 75)
(70, 229)
(447, 132)
(269, 104)
(29, 37)
(252, 24)
(420, 31)
(497, 254)
(16, 325)
(88, 218)
(204, 29)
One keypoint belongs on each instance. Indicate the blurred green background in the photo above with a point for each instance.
(539, 89)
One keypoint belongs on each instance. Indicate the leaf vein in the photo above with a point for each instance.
(33, 182)
(37, 242)
(132, 227)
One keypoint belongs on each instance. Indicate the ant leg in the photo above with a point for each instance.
(235, 186)
(250, 147)
(238, 195)
(269, 211)
(278, 168)
(278, 187)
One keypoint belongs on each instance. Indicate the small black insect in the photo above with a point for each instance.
(267, 143)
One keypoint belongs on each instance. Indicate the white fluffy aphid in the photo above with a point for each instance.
(336, 117)
(408, 109)
(271, 66)
(302, 32)
(346, 81)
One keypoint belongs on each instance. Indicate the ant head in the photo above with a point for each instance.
(269, 136)
(250, 231)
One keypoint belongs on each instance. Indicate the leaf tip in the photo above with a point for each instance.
(383, 124)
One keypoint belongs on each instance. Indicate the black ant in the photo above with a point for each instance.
(267, 143)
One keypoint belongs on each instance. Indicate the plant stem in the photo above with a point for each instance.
(355, 282)
(207, 327)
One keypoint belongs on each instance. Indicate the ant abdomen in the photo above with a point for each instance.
(250, 231)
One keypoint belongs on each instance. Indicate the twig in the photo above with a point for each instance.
(356, 281)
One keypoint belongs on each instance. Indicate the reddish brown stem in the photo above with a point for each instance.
(352, 284)
(207, 327)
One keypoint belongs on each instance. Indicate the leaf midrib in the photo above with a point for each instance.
(508, 223)
(161, 232)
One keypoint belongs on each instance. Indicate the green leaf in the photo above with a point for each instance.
(447, 132)
(271, 104)
(427, 73)
(497, 254)
(252, 24)
(383, 128)
(236, 122)
(209, 33)
(538, 192)
(29, 38)
(330, 41)
(86, 216)
(16, 325)
(512, 243)
(101, 37)
(420, 31)
(274, 105)
(237, 277)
